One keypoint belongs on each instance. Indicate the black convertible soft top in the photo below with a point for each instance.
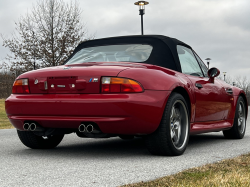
(164, 52)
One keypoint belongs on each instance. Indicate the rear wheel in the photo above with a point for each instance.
(33, 141)
(171, 137)
(239, 127)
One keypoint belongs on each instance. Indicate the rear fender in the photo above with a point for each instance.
(163, 79)
(153, 79)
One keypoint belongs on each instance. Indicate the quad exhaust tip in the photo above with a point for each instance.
(83, 128)
(26, 126)
(89, 128)
(32, 127)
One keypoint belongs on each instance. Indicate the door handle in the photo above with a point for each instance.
(198, 85)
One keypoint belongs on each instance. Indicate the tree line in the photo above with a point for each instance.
(44, 37)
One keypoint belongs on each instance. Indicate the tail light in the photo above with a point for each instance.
(120, 85)
(21, 86)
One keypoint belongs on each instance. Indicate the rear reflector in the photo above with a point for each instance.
(120, 85)
(21, 86)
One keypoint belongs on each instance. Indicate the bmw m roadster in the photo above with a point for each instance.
(151, 86)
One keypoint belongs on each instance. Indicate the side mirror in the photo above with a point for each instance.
(212, 73)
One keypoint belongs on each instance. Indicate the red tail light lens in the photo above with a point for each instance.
(21, 86)
(120, 85)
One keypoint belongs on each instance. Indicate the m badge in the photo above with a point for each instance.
(93, 80)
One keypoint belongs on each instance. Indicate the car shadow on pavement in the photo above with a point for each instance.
(95, 149)
(206, 139)
(114, 147)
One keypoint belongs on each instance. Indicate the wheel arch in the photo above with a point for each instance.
(245, 100)
(185, 94)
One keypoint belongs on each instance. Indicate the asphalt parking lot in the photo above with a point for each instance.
(105, 162)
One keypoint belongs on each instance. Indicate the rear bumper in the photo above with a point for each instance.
(138, 113)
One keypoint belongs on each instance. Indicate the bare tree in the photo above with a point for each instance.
(243, 83)
(6, 80)
(228, 79)
(46, 36)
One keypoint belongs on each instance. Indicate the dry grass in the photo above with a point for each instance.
(4, 122)
(232, 172)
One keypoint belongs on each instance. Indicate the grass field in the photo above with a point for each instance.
(4, 122)
(229, 173)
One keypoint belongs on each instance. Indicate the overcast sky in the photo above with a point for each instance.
(219, 29)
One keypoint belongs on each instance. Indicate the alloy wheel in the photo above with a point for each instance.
(241, 118)
(179, 124)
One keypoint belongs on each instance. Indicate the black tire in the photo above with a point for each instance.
(239, 127)
(163, 140)
(126, 137)
(33, 141)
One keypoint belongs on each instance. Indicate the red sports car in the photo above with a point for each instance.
(151, 86)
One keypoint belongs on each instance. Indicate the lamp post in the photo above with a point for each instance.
(224, 75)
(141, 5)
(34, 63)
(208, 61)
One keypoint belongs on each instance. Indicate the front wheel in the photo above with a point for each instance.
(33, 141)
(239, 127)
(171, 137)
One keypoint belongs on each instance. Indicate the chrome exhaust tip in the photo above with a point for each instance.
(26, 126)
(32, 126)
(89, 128)
(82, 128)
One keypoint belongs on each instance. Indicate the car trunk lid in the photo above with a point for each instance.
(70, 79)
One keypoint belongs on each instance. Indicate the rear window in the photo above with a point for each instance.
(112, 53)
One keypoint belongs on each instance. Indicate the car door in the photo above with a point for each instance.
(226, 90)
(209, 106)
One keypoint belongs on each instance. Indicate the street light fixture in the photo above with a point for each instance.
(34, 63)
(224, 75)
(141, 5)
(208, 61)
